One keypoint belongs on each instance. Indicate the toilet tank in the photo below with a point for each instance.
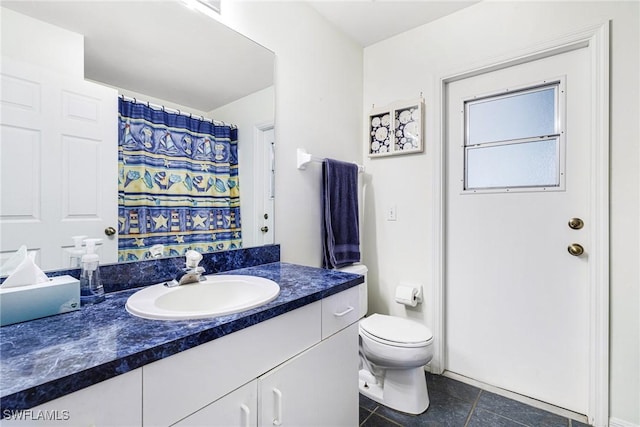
(359, 269)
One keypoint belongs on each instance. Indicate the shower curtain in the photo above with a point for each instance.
(177, 183)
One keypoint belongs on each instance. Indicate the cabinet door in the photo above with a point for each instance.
(114, 402)
(236, 409)
(316, 388)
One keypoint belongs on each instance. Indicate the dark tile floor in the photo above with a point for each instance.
(455, 404)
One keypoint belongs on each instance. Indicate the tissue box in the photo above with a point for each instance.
(58, 295)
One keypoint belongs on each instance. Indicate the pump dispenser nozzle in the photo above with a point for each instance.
(91, 245)
(77, 241)
(75, 253)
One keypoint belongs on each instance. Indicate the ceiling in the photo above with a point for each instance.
(370, 21)
(126, 39)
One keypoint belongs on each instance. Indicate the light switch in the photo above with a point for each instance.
(392, 213)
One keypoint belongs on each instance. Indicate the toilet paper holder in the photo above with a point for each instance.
(409, 294)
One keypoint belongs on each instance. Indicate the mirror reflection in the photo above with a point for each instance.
(75, 60)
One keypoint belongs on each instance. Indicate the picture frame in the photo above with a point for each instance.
(396, 129)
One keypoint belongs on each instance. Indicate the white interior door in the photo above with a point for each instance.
(58, 154)
(516, 300)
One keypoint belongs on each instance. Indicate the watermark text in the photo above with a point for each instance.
(36, 414)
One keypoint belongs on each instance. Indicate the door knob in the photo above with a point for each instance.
(575, 249)
(109, 231)
(576, 223)
(264, 229)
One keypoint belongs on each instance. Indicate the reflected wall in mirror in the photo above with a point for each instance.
(72, 59)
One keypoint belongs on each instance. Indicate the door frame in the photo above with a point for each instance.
(596, 39)
(259, 173)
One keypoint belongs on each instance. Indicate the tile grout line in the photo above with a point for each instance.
(473, 408)
(389, 420)
(371, 412)
(365, 420)
(374, 412)
(506, 418)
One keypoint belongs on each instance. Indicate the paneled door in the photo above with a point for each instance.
(58, 170)
(518, 228)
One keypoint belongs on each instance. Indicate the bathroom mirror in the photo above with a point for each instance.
(199, 63)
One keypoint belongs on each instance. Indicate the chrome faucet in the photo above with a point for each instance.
(192, 273)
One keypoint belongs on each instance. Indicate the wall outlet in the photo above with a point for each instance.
(392, 213)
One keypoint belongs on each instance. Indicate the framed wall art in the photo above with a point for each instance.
(396, 129)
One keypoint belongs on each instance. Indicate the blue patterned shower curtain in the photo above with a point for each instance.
(177, 183)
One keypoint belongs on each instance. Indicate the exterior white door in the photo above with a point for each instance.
(58, 154)
(517, 300)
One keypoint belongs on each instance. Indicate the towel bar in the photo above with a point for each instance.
(305, 158)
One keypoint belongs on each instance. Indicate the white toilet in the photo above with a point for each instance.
(393, 352)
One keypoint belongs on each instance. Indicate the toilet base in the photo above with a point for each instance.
(404, 390)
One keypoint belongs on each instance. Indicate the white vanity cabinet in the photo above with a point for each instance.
(180, 385)
(297, 369)
(316, 388)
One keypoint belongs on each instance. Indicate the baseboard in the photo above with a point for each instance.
(615, 422)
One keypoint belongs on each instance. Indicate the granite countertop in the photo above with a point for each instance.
(44, 359)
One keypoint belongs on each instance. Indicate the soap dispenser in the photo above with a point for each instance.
(75, 253)
(91, 290)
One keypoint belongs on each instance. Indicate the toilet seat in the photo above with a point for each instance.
(395, 331)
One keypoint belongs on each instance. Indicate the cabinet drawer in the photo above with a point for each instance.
(340, 310)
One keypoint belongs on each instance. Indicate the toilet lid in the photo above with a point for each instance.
(396, 329)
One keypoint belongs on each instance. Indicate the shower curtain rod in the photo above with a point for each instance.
(305, 158)
(175, 111)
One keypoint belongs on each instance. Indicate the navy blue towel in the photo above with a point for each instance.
(340, 230)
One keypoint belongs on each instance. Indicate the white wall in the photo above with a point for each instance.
(413, 62)
(38, 43)
(318, 91)
(248, 113)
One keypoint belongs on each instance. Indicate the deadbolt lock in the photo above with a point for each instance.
(576, 223)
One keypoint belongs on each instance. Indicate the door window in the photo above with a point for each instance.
(514, 139)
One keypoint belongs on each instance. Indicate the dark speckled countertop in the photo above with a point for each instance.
(47, 358)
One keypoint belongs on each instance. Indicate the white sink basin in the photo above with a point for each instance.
(216, 296)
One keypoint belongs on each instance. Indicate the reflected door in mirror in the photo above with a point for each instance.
(267, 195)
(58, 163)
